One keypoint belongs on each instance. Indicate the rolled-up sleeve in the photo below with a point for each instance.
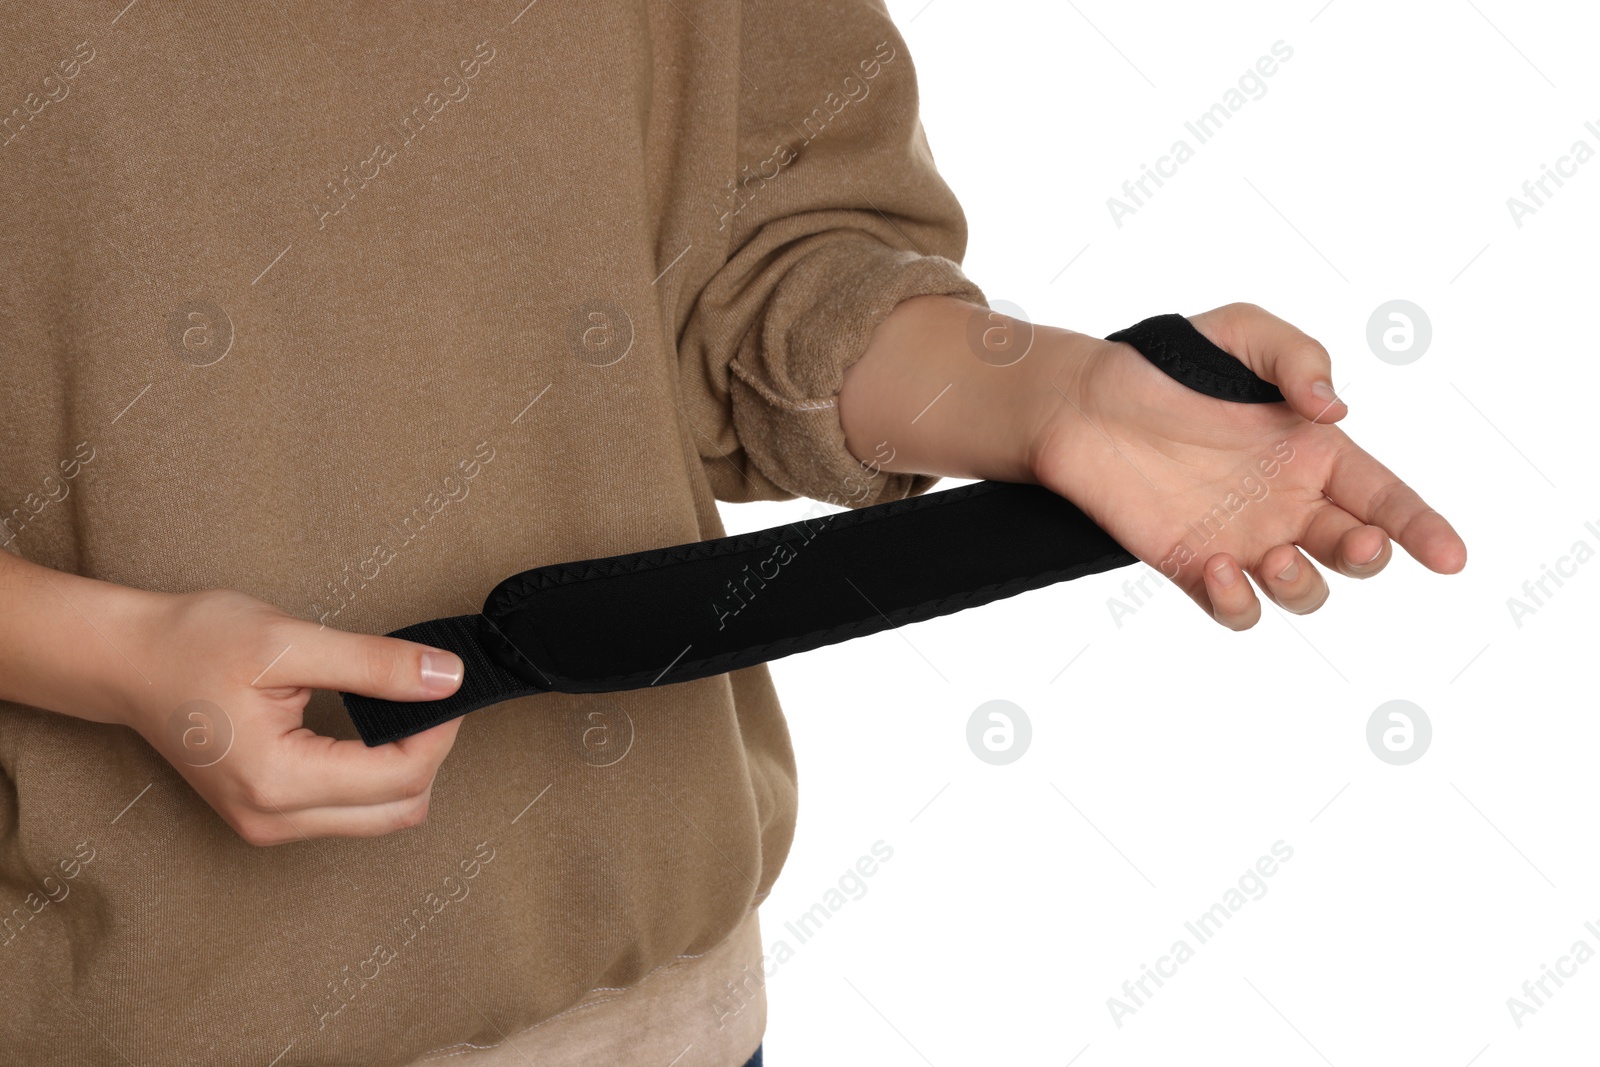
(837, 214)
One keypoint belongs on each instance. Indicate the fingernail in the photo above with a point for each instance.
(441, 671)
(1374, 555)
(1323, 390)
(1288, 573)
(1225, 574)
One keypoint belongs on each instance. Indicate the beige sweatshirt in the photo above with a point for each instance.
(360, 308)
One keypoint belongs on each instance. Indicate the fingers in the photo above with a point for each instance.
(1336, 539)
(317, 771)
(1233, 602)
(296, 769)
(276, 780)
(311, 770)
(1344, 544)
(284, 827)
(1374, 494)
(1285, 575)
(1279, 352)
(1291, 580)
(385, 667)
(304, 786)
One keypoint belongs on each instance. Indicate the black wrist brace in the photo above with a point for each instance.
(674, 614)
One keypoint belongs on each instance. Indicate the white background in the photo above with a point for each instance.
(1172, 753)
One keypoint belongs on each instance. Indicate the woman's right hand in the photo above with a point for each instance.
(229, 677)
(217, 682)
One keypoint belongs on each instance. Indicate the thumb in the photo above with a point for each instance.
(1281, 353)
(384, 667)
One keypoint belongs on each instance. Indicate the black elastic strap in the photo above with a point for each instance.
(689, 611)
(1172, 343)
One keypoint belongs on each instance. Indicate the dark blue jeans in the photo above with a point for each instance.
(754, 1061)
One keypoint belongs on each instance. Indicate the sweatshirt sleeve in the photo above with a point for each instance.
(835, 215)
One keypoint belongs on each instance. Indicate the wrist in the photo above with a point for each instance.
(960, 390)
(70, 644)
(1056, 394)
(130, 676)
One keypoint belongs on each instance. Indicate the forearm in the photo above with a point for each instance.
(936, 385)
(63, 639)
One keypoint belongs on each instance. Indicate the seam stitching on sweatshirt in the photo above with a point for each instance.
(444, 1052)
(780, 402)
